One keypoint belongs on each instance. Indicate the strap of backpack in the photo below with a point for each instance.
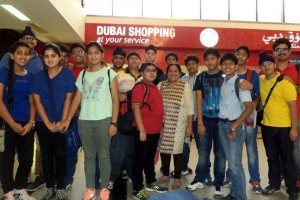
(249, 75)
(279, 78)
(83, 76)
(236, 88)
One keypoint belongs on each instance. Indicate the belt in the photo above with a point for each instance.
(226, 120)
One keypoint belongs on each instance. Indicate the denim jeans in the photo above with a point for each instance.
(121, 154)
(234, 151)
(186, 153)
(204, 145)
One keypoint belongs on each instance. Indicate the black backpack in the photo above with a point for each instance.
(126, 116)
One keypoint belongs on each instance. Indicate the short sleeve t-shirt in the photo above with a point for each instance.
(254, 81)
(153, 118)
(210, 86)
(276, 112)
(96, 100)
(61, 84)
(20, 109)
(126, 80)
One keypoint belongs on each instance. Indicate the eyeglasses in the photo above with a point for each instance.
(267, 63)
(149, 70)
(29, 39)
(77, 53)
(282, 50)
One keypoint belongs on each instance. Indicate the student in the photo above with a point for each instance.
(207, 136)
(118, 59)
(279, 129)
(242, 53)
(150, 56)
(147, 127)
(231, 117)
(65, 55)
(18, 111)
(52, 93)
(97, 93)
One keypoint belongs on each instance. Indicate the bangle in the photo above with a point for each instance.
(32, 122)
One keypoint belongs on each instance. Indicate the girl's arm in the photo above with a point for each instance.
(4, 113)
(66, 108)
(73, 108)
(31, 122)
(115, 106)
(42, 113)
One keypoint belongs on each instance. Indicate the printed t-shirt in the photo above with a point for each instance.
(96, 100)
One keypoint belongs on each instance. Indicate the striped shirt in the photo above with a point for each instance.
(126, 80)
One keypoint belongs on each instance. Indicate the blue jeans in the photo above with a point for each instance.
(234, 151)
(121, 154)
(186, 154)
(204, 145)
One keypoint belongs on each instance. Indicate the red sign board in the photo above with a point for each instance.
(186, 37)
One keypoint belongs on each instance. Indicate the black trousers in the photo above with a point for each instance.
(23, 145)
(278, 147)
(54, 155)
(178, 164)
(143, 159)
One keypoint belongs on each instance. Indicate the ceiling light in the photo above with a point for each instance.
(15, 12)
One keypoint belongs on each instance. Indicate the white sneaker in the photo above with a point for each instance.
(22, 195)
(9, 196)
(218, 194)
(195, 185)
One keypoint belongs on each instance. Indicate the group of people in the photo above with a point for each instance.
(217, 107)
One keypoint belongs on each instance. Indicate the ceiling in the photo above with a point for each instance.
(59, 21)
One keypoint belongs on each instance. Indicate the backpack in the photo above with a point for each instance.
(249, 75)
(126, 116)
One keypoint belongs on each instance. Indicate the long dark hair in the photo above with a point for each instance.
(97, 45)
(11, 71)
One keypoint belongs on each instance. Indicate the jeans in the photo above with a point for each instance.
(23, 145)
(234, 151)
(121, 153)
(278, 144)
(143, 159)
(186, 154)
(204, 145)
(54, 155)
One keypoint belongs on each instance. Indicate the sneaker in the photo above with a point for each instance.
(256, 188)
(104, 194)
(269, 190)
(69, 185)
(195, 185)
(50, 194)
(140, 195)
(89, 194)
(226, 183)
(218, 194)
(229, 197)
(9, 196)
(154, 187)
(22, 195)
(183, 172)
(110, 185)
(38, 182)
(208, 182)
(61, 195)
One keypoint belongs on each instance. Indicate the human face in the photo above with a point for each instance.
(64, 59)
(134, 62)
(229, 68)
(78, 55)
(171, 59)
(20, 56)
(242, 57)
(94, 55)
(150, 73)
(268, 68)
(173, 73)
(282, 52)
(31, 41)
(118, 61)
(211, 62)
(150, 56)
(51, 58)
(192, 67)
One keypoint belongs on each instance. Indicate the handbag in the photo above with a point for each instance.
(73, 141)
(260, 112)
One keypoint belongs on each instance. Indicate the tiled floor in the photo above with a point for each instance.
(77, 190)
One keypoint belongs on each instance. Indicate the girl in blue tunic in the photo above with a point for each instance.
(52, 93)
(18, 111)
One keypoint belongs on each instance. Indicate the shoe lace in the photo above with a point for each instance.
(61, 194)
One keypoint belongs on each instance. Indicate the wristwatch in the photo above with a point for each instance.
(114, 123)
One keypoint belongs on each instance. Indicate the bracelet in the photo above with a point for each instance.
(32, 122)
